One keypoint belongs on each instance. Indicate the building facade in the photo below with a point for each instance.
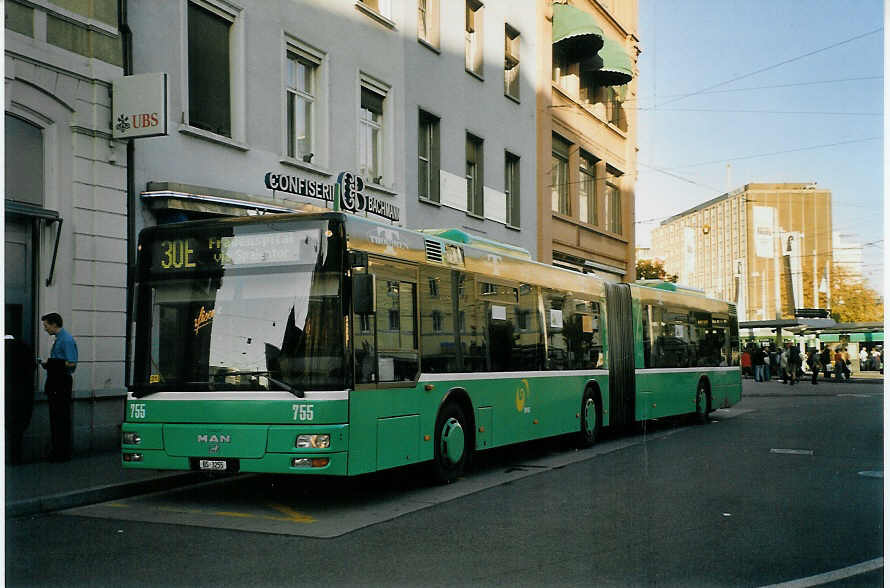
(587, 136)
(767, 247)
(412, 95)
(65, 204)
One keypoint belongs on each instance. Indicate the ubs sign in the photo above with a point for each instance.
(139, 106)
(347, 194)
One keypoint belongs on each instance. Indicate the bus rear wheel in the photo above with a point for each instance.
(451, 450)
(702, 404)
(590, 420)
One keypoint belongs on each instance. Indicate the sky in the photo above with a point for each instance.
(781, 90)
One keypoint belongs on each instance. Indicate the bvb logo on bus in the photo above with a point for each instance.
(522, 394)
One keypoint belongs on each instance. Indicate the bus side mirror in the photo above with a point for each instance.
(364, 300)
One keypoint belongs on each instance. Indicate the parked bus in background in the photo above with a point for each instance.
(332, 344)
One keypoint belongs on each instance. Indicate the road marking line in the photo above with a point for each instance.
(792, 451)
(833, 576)
(291, 514)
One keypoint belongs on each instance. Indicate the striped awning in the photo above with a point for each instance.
(575, 32)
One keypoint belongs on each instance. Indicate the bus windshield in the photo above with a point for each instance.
(252, 307)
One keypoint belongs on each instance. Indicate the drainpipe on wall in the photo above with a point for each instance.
(127, 46)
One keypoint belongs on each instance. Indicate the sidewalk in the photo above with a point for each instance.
(47, 486)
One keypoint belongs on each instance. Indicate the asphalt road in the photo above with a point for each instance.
(783, 488)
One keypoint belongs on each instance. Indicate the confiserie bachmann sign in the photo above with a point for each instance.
(347, 194)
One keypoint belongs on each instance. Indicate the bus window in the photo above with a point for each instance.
(574, 332)
(673, 332)
(473, 333)
(386, 343)
(437, 322)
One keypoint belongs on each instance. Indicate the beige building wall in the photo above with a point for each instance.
(766, 247)
(598, 123)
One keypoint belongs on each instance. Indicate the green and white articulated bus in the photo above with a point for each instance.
(331, 344)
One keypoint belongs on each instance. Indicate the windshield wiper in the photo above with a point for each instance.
(283, 385)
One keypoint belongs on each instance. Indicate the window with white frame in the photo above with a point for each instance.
(511, 187)
(474, 175)
(371, 134)
(381, 7)
(511, 62)
(301, 96)
(209, 79)
(612, 201)
(559, 176)
(587, 189)
(473, 37)
(428, 154)
(428, 21)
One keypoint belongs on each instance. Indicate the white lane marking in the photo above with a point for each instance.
(854, 395)
(833, 576)
(792, 451)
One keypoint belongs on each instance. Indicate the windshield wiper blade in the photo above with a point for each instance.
(283, 385)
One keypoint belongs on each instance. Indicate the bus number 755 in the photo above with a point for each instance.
(303, 412)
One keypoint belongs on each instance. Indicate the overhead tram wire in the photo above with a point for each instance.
(768, 87)
(769, 67)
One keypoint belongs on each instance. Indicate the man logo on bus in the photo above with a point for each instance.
(522, 394)
(351, 186)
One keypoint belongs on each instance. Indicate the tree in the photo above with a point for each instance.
(852, 301)
(652, 269)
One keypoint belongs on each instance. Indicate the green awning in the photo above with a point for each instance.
(612, 66)
(575, 32)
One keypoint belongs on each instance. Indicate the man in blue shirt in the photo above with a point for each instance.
(61, 364)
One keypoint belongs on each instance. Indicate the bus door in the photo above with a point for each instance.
(622, 382)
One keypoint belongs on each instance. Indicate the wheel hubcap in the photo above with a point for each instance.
(589, 416)
(452, 440)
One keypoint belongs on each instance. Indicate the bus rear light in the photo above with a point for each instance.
(132, 457)
(313, 441)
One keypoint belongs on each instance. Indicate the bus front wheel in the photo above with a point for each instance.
(590, 419)
(451, 451)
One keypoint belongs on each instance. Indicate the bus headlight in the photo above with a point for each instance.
(313, 441)
(131, 438)
(132, 457)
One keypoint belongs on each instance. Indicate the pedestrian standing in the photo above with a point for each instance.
(825, 358)
(875, 359)
(815, 364)
(59, 382)
(757, 362)
(793, 362)
(863, 359)
(839, 364)
(746, 363)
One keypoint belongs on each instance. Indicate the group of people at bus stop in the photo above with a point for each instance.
(762, 363)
